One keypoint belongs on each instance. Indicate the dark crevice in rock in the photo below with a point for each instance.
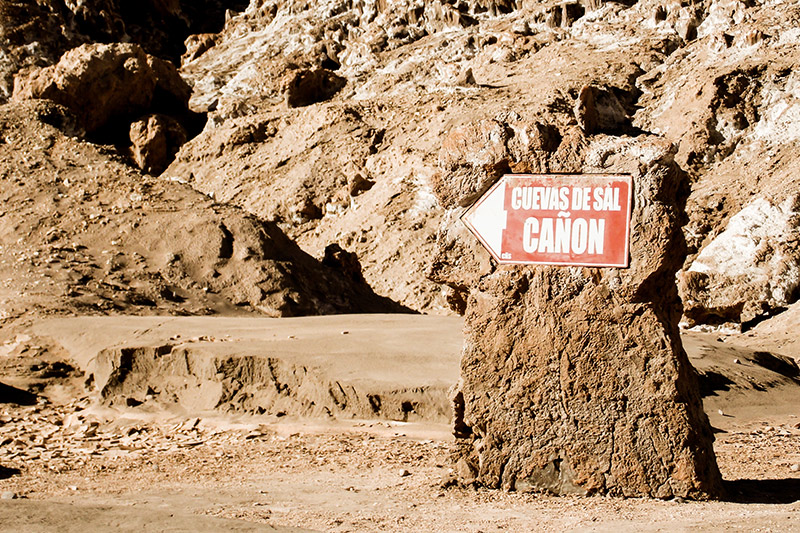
(9, 394)
(711, 382)
(226, 246)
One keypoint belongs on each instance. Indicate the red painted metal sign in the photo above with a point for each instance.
(555, 219)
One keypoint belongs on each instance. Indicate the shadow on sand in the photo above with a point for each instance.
(763, 490)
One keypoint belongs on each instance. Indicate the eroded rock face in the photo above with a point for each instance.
(100, 83)
(31, 33)
(38, 32)
(716, 78)
(750, 269)
(119, 95)
(574, 380)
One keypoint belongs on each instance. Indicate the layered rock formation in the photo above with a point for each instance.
(573, 380)
(713, 78)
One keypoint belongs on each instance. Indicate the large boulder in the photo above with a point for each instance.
(101, 83)
(574, 379)
(84, 233)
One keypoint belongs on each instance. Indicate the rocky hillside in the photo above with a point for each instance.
(334, 121)
(83, 232)
(36, 33)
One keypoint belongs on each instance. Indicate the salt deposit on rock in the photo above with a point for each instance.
(748, 270)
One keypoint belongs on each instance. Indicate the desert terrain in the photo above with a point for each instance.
(234, 286)
(75, 461)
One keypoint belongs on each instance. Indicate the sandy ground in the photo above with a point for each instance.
(74, 465)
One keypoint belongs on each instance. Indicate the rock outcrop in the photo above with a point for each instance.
(38, 32)
(750, 270)
(106, 84)
(108, 87)
(573, 380)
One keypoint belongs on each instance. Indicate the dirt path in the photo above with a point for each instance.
(370, 476)
(71, 463)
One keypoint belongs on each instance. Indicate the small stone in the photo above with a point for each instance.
(721, 412)
(753, 37)
(9, 495)
(466, 79)
(521, 27)
(795, 467)
(345, 333)
(404, 473)
(737, 362)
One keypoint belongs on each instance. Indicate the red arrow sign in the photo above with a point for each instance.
(555, 219)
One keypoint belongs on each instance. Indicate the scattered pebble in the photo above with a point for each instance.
(737, 362)
(795, 467)
(9, 495)
(404, 473)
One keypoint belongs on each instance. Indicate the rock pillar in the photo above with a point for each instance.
(574, 379)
